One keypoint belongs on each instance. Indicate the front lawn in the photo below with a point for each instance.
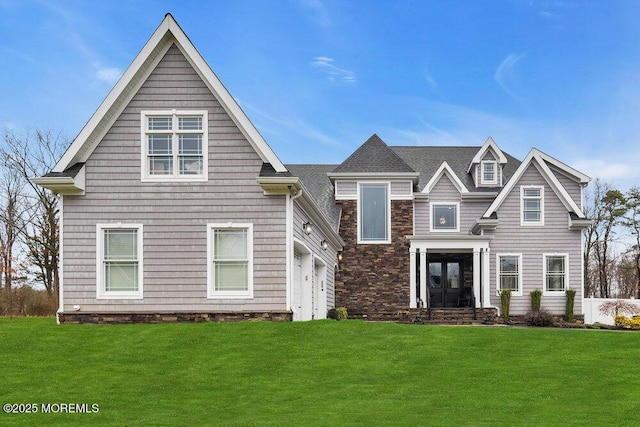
(318, 373)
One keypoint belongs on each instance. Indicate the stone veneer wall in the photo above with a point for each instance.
(122, 318)
(374, 279)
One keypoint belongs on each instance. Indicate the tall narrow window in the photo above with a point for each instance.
(374, 216)
(230, 261)
(555, 273)
(174, 145)
(509, 268)
(119, 255)
(532, 205)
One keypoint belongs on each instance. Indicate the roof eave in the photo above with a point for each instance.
(63, 185)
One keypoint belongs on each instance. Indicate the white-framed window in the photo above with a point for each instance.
(174, 145)
(532, 205)
(119, 266)
(556, 273)
(489, 172)
(374, 213)
(509, 273)
(230, 260)
(445, 217)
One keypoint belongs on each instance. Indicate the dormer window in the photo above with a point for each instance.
(174, 145)
(489, 172)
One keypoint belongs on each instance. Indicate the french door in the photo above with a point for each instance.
(445, 282)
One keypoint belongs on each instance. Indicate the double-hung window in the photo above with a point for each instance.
(119, 261)
(174, 145)
(509, 272)
(374, 217)
(230, 260)
(555, 273)
(532, 205)
(489, 172)
(445, 217)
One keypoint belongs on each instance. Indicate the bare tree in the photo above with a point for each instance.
(32, 155)
(11, 210)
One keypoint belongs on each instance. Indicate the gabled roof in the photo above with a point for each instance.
(445, 169)
(374, 156)
(539, 159)
(427, 160)
(489, 145)
(167, 34)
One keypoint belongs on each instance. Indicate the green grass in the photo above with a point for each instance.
(319, 373)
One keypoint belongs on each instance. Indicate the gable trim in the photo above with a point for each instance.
(488, 144)
(535, 158)
(167, 33)
(442, 170)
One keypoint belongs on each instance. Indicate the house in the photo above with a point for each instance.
(174, 207)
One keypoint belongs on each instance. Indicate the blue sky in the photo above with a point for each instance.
(318, 77)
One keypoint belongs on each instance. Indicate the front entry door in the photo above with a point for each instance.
(445, 282)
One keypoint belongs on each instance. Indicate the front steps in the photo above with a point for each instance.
(436, 316)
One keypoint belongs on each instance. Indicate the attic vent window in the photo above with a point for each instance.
(174, 145)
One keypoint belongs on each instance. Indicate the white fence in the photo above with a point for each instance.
(591, 308)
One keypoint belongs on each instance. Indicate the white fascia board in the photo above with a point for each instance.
(557, 187)
(546, 173)
(489, 143)
(445, 169)
(117, 99)
(566, 169)
(374, 175)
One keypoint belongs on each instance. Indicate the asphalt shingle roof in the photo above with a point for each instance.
(374, 156)
(317, 183)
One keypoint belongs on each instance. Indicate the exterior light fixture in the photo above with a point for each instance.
(324, 245)
(306, 227)
(339, 256)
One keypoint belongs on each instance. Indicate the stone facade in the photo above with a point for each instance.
(124, 318)
(374, 279)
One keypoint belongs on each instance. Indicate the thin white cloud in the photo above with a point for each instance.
(505, 74)
(326, 65)
(108, 74)
(286, 128)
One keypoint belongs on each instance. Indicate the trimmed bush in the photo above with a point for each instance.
(539, 318)
(505, 303)
(341, 312)
(621, 321)
(568, 309)
(536, 299)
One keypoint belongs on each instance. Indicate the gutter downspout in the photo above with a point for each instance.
(60, 260)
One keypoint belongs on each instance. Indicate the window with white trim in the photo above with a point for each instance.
(489, 172)
(509, 272)
(174, 145)
(555, 273)
(119, 261)
(230, 260)
(532, 205)
(445, 217)
(374, 216)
